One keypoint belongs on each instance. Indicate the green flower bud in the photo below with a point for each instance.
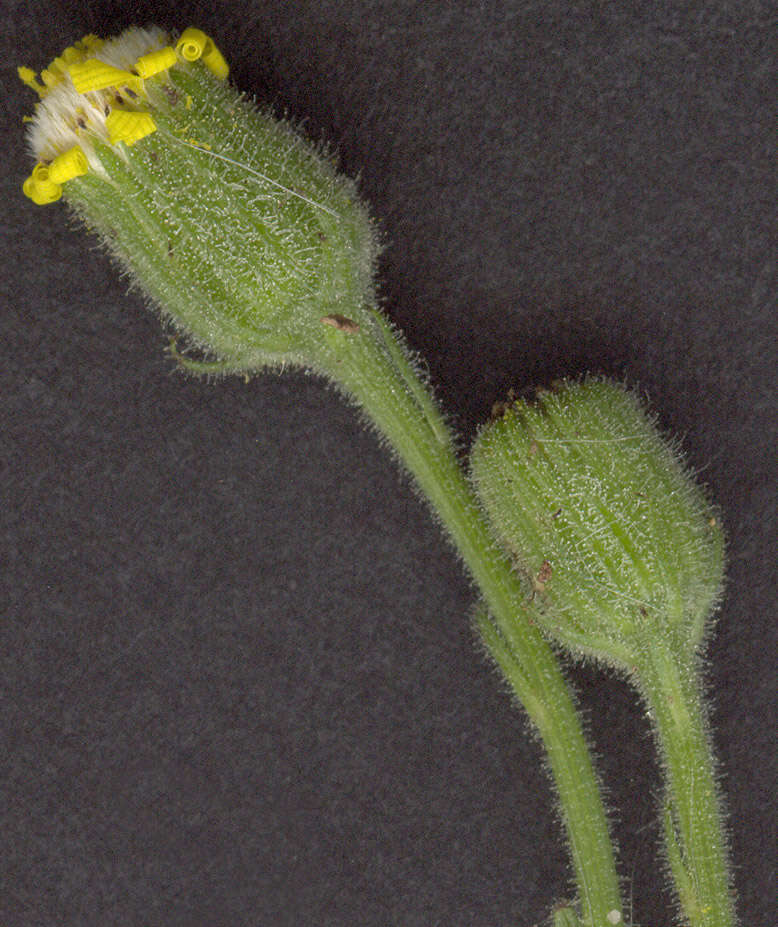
(237, 228)
(596, 510)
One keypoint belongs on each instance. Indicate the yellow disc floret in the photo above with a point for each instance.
(214, 61)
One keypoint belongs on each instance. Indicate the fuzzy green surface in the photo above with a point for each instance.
(598, 514)
(693, 821)
(383, 381)
(231, 222)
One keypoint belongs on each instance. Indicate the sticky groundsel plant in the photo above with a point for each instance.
(262, 256)
(623, 556)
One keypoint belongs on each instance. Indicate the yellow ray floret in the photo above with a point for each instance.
(27, 76)
(40, 188)
(156, 61)
(53, 75)
(90, 43)
(214, 61)
(128, 126)
(191, 44)
(94, 74)
(71, 163)
(195, 44)
(58, 68)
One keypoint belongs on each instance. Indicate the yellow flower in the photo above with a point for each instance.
(238, 229)
(95, 92)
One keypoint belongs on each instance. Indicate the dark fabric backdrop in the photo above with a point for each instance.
(239, 682)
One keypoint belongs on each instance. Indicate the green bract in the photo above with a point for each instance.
(596, 511)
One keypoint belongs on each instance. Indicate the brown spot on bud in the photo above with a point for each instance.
(543, 576)
(171, 93)
(341, 322)
(500, 408)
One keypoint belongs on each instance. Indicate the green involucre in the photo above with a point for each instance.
(598, 514)
(237, 227)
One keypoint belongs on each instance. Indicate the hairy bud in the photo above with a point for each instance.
(239, 229)
(596, 510)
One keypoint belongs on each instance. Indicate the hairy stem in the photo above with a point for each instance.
(376, 372)
(696, 846)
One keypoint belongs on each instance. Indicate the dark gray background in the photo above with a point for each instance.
(239, 682)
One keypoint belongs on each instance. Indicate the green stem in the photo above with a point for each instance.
(374, 369)
(696, 847)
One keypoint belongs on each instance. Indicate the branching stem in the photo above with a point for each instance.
(381, 378)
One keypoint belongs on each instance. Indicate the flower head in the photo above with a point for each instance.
(239, 229)
(95, 92)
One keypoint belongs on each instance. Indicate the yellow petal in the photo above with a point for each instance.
(39, 188)
(128, 126)
(156, 61)
(69, 164)
(214, 61)
(27, 76)
(94, 74)
(91, 42)
(192, 44)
